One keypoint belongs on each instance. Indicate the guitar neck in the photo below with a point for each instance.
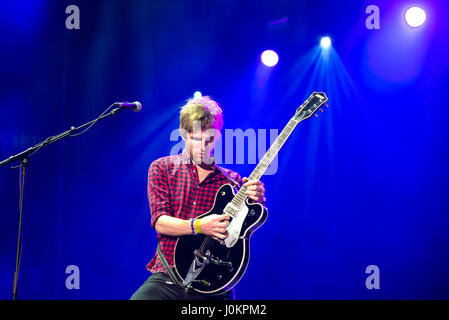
(272, 152)
(305, 111)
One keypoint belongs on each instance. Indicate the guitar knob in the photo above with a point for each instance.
(252, 212)
(219, 276)
(223, 193)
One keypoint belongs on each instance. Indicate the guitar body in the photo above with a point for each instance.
(233, 261)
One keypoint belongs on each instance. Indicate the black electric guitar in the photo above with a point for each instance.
(214, 266)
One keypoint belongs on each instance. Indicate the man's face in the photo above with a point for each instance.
(201, 143)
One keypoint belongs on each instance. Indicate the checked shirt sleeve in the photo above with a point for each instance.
(158, 192)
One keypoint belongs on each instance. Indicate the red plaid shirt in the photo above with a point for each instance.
(174, 189)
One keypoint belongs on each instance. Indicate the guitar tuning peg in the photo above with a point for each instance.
(321, 110)
(316, 115)
(326, 105)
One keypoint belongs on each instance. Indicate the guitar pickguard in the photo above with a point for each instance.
(235, 227)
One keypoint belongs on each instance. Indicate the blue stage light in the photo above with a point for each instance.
(269, 58)
(325, 42)
(415, 16)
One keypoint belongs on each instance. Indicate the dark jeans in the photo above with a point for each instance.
(157, 288)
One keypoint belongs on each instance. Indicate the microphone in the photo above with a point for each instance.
(135, 106)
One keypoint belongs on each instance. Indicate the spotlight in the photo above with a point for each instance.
(197, 94)
(325, 42)
(415, 16)
(269, 58)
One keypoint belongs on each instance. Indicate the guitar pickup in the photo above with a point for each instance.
(222, 264)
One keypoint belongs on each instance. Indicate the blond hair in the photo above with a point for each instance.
(202, 109)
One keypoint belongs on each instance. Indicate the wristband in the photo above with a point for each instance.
(197, 226)
(191, 225)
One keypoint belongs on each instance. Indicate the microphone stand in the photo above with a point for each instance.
(23, 157)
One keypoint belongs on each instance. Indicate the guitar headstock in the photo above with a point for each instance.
(310, 106)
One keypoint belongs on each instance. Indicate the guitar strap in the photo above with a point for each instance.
(169, 270)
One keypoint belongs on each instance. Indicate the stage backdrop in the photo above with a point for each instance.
(357, 199)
